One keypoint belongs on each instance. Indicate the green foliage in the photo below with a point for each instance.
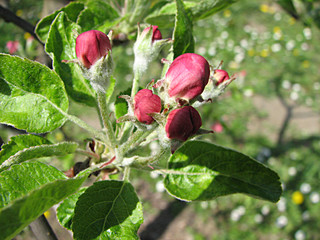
(33, 97)
(204, 171)
(65, 211)
(25, 147)
(108, 210)
(43, 26)
(30, 189)
(182, 36)
(98, 15)
(61, 46)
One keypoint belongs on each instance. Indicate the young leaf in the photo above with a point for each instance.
(108, 210)
(141, 7)
(43, 26)
(164, 17)
(204, 171)
(65, 211)
(120, 105)
(25, 147)
(61, 46)
(110, 89)
(182, 35)
(206, 8)
(27, 191)
(32, 96)
(20, 142)
(98, 15)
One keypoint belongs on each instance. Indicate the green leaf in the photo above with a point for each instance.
(165, 16)
(108, 210)
(206, 8)
(32, 96)
(110, 89)
(18, 143)
(61, 46)
(27, 191)
(65, 211)
(204, 171)
(120, 105)
(199, 9)
(182, 35)
(141, 8)
(25, 147)
(43, 26)
(98, 15)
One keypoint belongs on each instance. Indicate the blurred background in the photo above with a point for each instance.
(271, 112)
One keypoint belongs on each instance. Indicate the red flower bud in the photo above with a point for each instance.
(187, 76)
(220, 76)
(156, 34)
(91, 46)
(145, 102)
(183, 123)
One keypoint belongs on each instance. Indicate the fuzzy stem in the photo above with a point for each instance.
(104, 112)
(126, 173)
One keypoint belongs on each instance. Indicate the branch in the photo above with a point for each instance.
(42, 230)
(9, 16)
(158, 226)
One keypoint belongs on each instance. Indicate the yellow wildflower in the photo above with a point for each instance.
(297, 197)
(264, 53)
(264, 8)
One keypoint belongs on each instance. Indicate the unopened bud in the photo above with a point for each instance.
(220, 76)
(147, 48)
(93, 50)
(91, 46)
(145, 103)
(187, 76)
(156, 34)
(183, 123)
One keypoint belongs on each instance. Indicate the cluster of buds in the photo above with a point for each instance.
(183, 86)
(189, 82)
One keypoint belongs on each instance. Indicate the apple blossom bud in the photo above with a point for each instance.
(187, 76)
(91, 46)
(183, 123)
(220, 76)
(156, 34)
(146, 49)
(145, 102)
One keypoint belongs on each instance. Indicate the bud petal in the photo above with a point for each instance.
(220, 76)
(145, 103)
(182, 123)
(91, 46)
(187, 76)
(156, 34)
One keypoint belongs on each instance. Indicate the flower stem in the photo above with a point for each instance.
(126, 173)
(104, 112)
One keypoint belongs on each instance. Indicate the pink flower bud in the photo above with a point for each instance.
(187, 76)
(183, 123)
(13, 46)
(156, 34)
(220, 76)
(217, 127)
(145, 102)
(91, 46)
